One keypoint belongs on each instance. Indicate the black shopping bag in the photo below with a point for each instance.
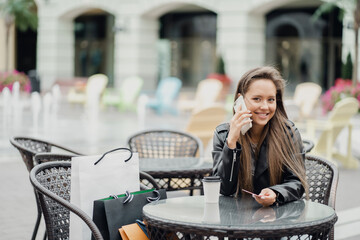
(112, 213)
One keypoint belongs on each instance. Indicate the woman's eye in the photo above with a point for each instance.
(272, 100)
(256, 99)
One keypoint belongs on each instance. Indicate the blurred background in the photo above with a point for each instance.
(154, 39)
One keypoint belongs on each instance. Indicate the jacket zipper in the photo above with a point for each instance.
(233, 164)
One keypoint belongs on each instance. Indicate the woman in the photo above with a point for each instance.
(267, 159)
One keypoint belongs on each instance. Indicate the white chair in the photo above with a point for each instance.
(94, 88)
(207, 93)
(339, 119)
(305, 98)
(202, 123)
(125, 97)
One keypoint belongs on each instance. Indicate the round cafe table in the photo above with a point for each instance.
(191, 218)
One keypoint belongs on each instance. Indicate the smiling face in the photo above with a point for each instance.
(260, 99)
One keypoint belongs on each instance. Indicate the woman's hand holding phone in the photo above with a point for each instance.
(240, 102)
(267, 197)
(240, 119)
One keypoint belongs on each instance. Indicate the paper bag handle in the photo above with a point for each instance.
(116, 149)
(129, 197)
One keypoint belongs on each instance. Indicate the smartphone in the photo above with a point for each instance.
(251, 193)
(240, 101)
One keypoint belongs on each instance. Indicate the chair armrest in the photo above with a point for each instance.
(65, 149)
(312, 125)
(150, 179)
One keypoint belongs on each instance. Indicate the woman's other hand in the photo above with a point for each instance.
(267, 197)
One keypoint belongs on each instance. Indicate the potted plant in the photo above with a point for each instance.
(20, 13)
(343, 88)
(7, 79)
(220, 75)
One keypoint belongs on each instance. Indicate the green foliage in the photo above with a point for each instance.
(220, 66)
(329, 5)
(326, 8)
(347, 68)
(345, 6)
(23, 12)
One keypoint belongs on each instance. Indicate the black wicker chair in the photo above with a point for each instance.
(308, 145)
(162, 143)
(52, 182)
(322, 177)
(165, 144)
(28, 148)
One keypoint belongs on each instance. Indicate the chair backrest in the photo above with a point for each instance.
(95, 87)
(308, 145)
(322, 177)
(167, 90)
(96, 83)
(130, 89)
(207, 92)
(202, 123)
(165, 144)
(148, 182)
(306, 96)
(338, 119)
(344, 110)
(29, 147)
(52, 182)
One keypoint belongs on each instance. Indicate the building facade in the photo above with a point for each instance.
(124, 38)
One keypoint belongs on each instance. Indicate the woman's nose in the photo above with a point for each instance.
(264, 105)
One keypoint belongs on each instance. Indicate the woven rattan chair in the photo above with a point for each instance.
(160, 143)
(28, 148)
(52, 182)
(322, 177)
(308, 145)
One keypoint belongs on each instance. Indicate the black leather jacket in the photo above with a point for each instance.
(226, 165)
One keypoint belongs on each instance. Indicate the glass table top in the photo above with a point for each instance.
(238, 213)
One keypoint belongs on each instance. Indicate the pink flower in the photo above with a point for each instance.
(343, 88)
(7, 79)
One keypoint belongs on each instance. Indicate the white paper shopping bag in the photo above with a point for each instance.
(115, 172)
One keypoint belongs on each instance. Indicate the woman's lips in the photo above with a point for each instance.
(262, 115)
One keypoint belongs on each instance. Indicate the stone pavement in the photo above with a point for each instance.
(72, 127)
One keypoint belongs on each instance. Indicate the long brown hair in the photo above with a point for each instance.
(282, 149)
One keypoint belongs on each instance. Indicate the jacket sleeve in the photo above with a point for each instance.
(291, 188)
(224, 165)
